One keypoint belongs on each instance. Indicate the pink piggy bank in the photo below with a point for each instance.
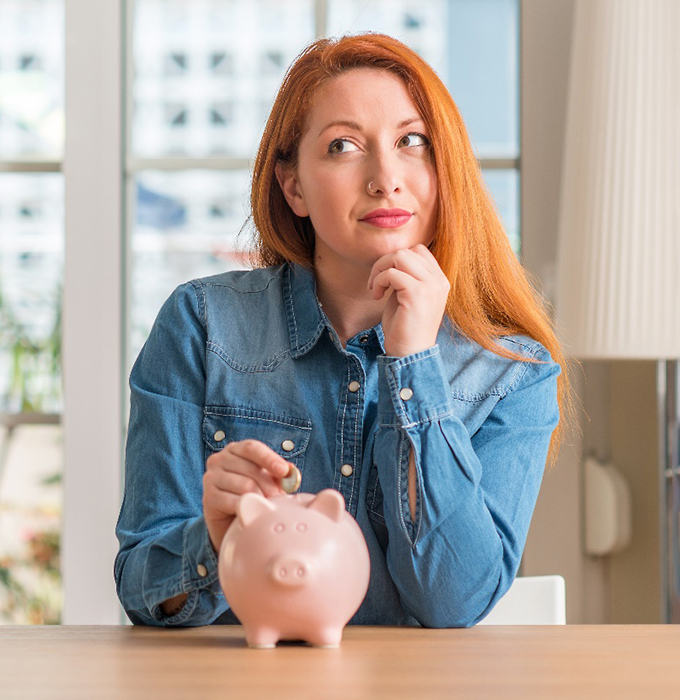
(294, 567)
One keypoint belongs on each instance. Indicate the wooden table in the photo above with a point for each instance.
(573, 661)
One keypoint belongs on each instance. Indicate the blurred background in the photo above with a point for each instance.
(128, 129)
(201, 78)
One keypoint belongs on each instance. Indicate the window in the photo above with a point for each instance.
(217, 119)
(31, 271)
(198, 80)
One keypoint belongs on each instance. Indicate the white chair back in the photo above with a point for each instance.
(531, 600)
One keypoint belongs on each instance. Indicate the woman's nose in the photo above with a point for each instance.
(378, 187)
(383, 177)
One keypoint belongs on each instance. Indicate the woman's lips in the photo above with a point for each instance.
(387, 218)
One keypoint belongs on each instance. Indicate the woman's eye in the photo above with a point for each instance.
(341, 146)
(413, 140)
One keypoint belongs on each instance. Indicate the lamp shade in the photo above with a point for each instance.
(618, 286)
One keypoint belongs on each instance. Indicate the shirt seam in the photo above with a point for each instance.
(522, 370)
(270, 367)
(342, 428)
(290, 306)
(405, 362)
(400, 476)
(200, 301)
(236, 289)
(358, 414)
(422, 421)
(261, 418)
(393, 386)
(418, 508)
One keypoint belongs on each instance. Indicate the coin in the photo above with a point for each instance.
(291, 482)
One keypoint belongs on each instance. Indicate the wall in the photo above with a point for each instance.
(554, 542)
(617, 400)
(635, 573)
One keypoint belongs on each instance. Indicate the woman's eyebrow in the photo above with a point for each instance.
(357, 127)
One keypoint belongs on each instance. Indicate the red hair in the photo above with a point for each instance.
(491, 294)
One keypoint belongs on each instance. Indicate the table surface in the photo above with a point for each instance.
(550, 662)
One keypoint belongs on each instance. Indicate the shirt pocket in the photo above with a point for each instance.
(285, 435)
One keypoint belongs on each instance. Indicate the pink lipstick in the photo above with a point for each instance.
(387, 218)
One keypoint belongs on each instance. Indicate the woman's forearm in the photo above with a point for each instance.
(454, 550)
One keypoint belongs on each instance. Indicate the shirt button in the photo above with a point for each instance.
(406, 393)
(288, 445)
(202, 571)
(346, 470)
(354, 387)
(219, 435)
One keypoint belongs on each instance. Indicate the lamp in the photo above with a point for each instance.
(618, 287)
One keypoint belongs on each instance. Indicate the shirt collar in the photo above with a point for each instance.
(306, 319)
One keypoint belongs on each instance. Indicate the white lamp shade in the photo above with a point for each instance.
(618, 286)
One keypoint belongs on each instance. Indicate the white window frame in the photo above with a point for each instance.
(94, 294)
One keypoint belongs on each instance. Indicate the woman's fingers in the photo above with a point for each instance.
(415, 290)
(407, 260)
(245, 478)
(241, 464)
(427, 255)
(394, 279)
(258, 453)
(247, 466)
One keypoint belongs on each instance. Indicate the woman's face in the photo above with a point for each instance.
(363, 128)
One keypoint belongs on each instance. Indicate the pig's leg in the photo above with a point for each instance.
(326, 637)
(262, 637)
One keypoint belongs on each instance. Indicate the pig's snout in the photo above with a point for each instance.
(290, 572)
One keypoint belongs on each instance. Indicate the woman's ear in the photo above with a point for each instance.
(290, 186)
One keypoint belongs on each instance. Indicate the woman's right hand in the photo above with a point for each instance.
(248, 466)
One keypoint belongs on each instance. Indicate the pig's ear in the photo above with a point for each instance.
(251, 506)
(329, 502)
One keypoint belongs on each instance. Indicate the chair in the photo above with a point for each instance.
(531, 600)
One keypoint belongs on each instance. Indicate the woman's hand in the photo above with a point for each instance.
(248, 466)
(418, 290)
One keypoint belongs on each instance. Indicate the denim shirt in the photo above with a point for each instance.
(250, 354)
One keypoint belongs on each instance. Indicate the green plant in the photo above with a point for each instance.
(30, 582)
(35, 369)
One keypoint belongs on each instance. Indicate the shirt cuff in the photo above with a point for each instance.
(413, 389)
(199, 571)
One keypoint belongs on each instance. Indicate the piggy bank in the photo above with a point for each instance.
(294, 567)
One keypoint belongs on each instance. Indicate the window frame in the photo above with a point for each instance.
(94, 302)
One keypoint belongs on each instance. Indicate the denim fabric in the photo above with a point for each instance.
(251, 354)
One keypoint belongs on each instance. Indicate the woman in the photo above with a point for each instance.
(389, 345)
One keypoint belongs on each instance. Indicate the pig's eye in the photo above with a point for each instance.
(301, 527)
(279, 527)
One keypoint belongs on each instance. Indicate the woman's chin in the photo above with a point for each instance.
(392, 243)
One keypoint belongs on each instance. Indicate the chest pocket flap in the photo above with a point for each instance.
(287, 436)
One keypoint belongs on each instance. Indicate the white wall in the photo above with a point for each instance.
(618, 417)
(555, 539)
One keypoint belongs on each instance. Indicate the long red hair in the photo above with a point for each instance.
(491, 294)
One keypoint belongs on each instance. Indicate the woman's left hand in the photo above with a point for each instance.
(418, 291)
